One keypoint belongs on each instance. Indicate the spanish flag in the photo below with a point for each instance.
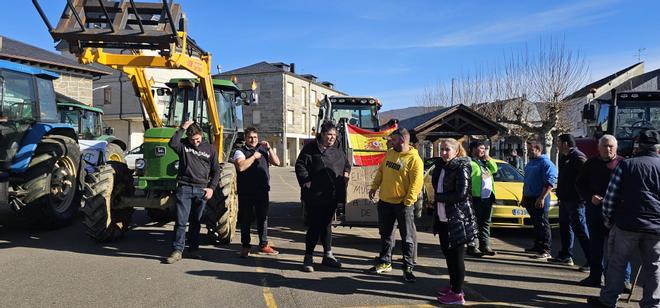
(368, 147)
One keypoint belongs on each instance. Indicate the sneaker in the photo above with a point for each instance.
(174, 257)
(568, 261)
(452, 298)
(627, 287)
(444, 291)
(381, 268)
(487, 251)
(308, 264)
(595, 301)
(585, 268)
(267, 250)
(542, 255)
(331, 261)
(245, 252)
(408, 275)
(472, 251)
(194, 254)
(590, 282)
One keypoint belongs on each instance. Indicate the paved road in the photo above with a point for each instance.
(63, 268)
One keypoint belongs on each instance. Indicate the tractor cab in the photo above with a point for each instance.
(26, 97)
(86, 120)
(359, 111)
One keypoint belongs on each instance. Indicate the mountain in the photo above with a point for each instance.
(404, 113)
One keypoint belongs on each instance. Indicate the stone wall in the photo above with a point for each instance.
(79, 88)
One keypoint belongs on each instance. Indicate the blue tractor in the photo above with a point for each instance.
(40, 159)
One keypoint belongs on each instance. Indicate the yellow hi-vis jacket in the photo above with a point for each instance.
(400, 177)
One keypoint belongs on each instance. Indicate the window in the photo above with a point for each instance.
(289, 117)
(304, 122)
(256, 117)
(303, 95)
(107, 95)
(47, 104)
(289, 89)
(312, 97)
(314, 120)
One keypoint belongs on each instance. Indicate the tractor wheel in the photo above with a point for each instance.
(103, 190)
(115, 153)
(162, 215)
(51, 181)
(222, 210)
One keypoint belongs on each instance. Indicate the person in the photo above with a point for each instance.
(591, 184)
(322, 170)
(453, 217)
(252, 161)
(572, 220)
(515, 160)
(631, 207)
(540, 178)
(400, 179)
(198, 176)
(483, 197)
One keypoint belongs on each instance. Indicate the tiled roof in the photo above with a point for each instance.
(14, 50)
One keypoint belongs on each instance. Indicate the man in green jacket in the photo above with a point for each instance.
(483, 169)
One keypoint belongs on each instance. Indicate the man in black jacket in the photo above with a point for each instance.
(199, 173)
(572, 218)
(252, 161)
(632, 208)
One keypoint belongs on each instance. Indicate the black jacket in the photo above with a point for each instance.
(569, 167)
(325, 170)
(639, 209)
(456, 196)
(198, 166)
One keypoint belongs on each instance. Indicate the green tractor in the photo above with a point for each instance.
(40, 159)
(87, 121)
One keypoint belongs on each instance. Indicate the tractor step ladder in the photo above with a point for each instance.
(120, 25)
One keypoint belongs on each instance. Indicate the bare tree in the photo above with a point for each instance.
(434, 97)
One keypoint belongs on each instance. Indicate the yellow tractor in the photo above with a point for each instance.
(131, 36)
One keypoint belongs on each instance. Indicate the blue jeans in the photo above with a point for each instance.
(622, 245)
(598, 238)
(190, 204)
(540, 221)
(572, 222)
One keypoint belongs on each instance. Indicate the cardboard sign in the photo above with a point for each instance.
(359, 209)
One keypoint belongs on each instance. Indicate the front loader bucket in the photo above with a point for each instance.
(119, 25)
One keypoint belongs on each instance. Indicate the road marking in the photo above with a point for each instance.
(268, 295)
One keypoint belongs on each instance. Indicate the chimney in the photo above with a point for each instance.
(292, 68)
(1, 42)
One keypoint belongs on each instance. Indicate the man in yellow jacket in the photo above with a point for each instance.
(399, 178)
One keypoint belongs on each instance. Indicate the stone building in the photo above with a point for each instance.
(287, 111)
(76, 80)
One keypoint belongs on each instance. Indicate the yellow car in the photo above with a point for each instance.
(507, 209)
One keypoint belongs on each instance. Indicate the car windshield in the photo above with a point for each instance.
(363, 116)
(507, 173)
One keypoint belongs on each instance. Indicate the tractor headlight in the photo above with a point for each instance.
(140, 164)
(176, 165)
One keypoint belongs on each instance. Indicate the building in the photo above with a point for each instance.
(287, 111)
(76, 80)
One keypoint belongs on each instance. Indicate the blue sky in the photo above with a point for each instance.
(390, 49)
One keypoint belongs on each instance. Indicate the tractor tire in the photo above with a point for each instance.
(52, 183)
(103, 190)
(162, 215)
(222, 209)
(115, 153)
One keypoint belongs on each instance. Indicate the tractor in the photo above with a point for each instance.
(625, 116)
(40, 159)
(123, 36)
(87, 121)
